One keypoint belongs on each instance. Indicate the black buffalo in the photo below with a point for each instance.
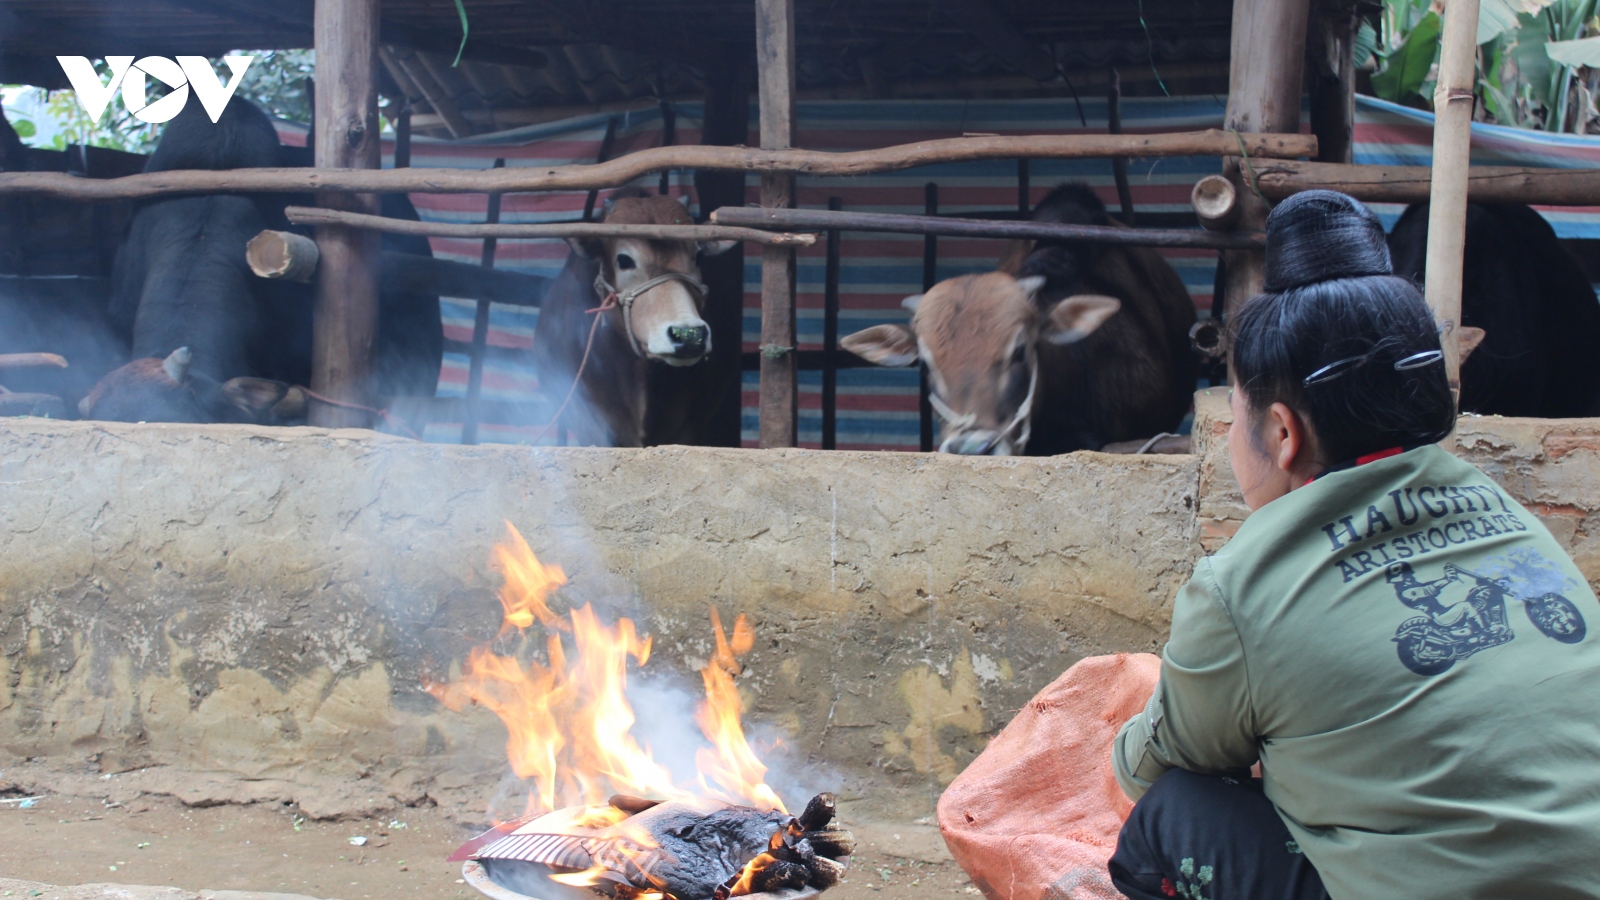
(1535, 304)
(180, 281)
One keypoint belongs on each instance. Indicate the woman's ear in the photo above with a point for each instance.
(1292, 443)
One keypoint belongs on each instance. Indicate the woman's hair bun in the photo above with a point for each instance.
(1320, 236)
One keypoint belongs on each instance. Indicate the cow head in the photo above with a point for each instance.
(979, 336)
(168, 390)
(657, 283)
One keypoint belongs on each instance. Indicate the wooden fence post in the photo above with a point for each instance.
(345, 315)
(1265, 75)
(478, 357)
(1447, 205)
(726, 122)
(775, 77)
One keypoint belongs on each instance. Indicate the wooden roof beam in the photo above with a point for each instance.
(296, 16)
(434, 92)
(1003, 38)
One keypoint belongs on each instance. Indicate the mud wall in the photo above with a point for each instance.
(231, 613)
(228, 613)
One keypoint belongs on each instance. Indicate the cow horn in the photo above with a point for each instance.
(176, 364)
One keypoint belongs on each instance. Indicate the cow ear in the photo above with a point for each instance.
(717, 248)
(176, 365)
(587, 248)
(1031, 285)
(886, 345)
(1467, 340)
(1076, 317)
(911, 302)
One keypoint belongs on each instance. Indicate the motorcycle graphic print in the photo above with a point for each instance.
(1464, 612)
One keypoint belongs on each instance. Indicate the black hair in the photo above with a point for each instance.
(1331, 298)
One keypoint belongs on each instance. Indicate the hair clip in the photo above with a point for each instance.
(1340, 366)
(1418, 360)
(1336, 368)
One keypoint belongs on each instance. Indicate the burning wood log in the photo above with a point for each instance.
(693, 849)
(804, 853)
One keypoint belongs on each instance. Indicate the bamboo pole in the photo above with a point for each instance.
(624, 169)
(345, 311)
(775, 79)
(311, 215)
(1447, 206)
(824, 220)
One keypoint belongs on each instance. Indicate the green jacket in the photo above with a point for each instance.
(1405, 650)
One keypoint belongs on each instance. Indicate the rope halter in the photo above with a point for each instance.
(624, 299)
(1021, 422)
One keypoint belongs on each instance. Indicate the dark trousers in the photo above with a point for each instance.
(1213, 837)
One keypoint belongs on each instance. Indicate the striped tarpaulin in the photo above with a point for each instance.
(877, 408)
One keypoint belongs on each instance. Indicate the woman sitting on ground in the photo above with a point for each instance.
(1400, 645)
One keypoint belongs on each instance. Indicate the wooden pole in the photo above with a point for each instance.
(604, 154)
(345, 314)
(730, 73)
(626, 169)
(402, 136)
(930, 277)
(780, 388)
(1447, 205)
(1330, 51)
(1024, 190)
(895, 223)
(480, 327)
(1412, 184)
(1119, 164)
(1264, 80)
(830, 337)
(311, 215)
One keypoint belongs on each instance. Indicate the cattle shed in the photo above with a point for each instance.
(580, 60)
(539, 83)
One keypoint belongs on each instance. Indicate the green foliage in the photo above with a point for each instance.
(1539, 60)
(277, 81)
(1581, 53)
(1409, 66)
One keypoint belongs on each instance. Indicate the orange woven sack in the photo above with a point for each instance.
(1036, 815)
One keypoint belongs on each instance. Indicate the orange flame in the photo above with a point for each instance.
(568, 722)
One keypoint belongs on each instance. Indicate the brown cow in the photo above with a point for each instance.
(1089, 347)
(655, 322)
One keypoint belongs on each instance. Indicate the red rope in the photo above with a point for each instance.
(380, 413)
(610, 302)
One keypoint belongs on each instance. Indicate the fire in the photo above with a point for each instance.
(569, 726)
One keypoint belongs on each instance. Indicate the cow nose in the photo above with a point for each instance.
(689, 341)
(975, 443)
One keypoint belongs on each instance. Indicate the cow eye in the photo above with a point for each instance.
(625, 262)
(1019, 356)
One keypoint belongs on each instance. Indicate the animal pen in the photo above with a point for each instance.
(291, 610)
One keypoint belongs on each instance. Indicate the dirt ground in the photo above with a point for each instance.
(154, 840)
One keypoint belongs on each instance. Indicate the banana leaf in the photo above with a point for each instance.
(1408, 65)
